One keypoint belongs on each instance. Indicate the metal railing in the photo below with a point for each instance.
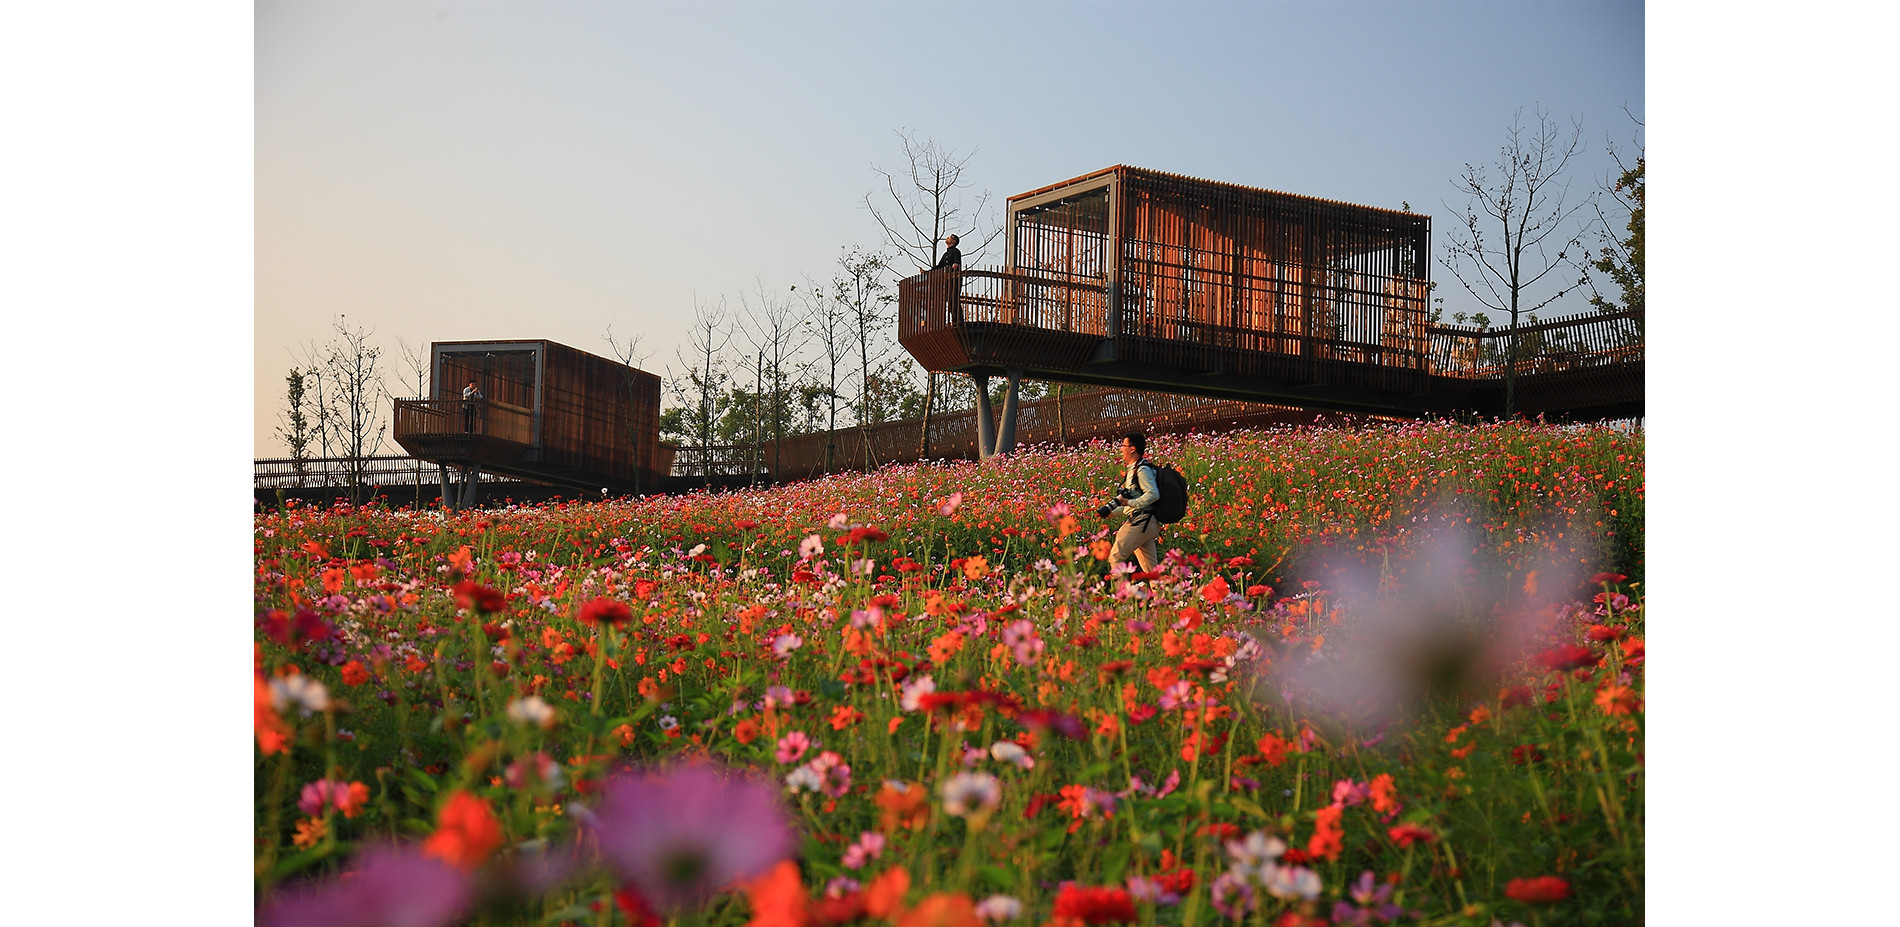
(336, 472)
(1584, 340)
(487, 418)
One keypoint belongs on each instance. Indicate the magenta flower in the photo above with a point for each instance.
(388, 887)
(681, 835)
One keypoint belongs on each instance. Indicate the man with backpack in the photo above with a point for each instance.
(1140, 497)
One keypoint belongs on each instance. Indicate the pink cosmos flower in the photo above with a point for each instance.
(792, 746)
(869, 846)
(1348, 793)
(679, 836)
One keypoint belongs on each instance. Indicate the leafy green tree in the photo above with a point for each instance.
(296, 428)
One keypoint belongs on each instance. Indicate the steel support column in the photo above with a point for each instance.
(1006, 433)
(985, 419)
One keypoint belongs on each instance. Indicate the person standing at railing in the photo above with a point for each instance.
(471, 398)
(952, 261)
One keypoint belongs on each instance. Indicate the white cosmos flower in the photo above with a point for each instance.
(968, 793)
(1290, 882)
(914, 688)
(804, 779)
(999, 908)
(297, 689)
(1011, 752)
(531, 710)
(1258, 848)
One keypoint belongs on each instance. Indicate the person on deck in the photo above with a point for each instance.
(952, 260)
(1140, 489)
(471, 395)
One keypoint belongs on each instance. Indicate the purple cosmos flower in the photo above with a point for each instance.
(388, 886)
(678, 836)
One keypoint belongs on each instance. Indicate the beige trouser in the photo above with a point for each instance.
(1137, 537)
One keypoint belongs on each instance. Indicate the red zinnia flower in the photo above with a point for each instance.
(605, 611)
(484, 598)
(1095, 905)
(1540, 890)
(1407, 834)
(1567, 657)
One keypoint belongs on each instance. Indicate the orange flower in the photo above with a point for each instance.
(778, 897)
(1618, 700)
(903, 804)
(943, 909)
(1328, 836)
(1216, 591)
(272, 735)
(977, 567)
(1480, 714)
(350, 799)
(746, 731)
(845, 716)
(309, 832)
(354, 673)
(884, 897)
(1273, 747)
(466, 832)
(946, 646)
(1099, 548)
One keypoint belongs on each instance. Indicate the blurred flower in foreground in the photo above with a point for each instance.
(679, 836)
(386, 887)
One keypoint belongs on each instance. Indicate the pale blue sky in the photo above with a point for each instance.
(442, 171)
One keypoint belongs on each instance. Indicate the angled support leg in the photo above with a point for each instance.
(1006, 434)
(448, 488)
(985, 419)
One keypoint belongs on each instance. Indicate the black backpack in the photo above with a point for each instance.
(1172, 506)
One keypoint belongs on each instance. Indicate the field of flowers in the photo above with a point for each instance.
(1388, 675)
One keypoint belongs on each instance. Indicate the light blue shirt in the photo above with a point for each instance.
(1140, 476)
